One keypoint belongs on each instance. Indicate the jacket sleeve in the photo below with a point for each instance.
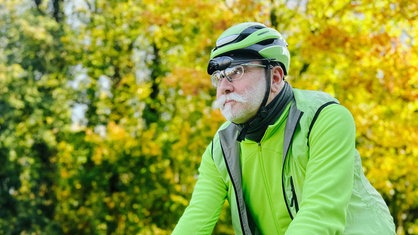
(207, 200)
(329, 174)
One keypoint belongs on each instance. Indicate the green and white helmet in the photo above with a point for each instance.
(253, 39)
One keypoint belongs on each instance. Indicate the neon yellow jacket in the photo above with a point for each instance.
(304, 177)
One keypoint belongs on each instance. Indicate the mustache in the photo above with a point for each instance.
(220, 101)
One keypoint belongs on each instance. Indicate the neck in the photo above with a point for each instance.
(255, 128)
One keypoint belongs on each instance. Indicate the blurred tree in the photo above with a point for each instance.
(34, 113)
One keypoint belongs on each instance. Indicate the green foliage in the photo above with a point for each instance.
(135, 70)
(34, 111)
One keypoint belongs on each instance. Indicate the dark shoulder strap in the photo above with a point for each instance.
(316, 117)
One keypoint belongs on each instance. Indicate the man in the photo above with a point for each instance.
(286, 158)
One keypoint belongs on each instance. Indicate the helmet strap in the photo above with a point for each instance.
(262, 110)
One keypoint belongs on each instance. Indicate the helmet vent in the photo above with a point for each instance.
(251, 30)
(248, 31)
(266, 42)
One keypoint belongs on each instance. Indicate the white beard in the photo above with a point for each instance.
(245, 106)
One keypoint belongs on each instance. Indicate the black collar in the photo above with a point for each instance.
(255, 128)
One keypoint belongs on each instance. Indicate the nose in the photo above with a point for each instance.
(225, 87)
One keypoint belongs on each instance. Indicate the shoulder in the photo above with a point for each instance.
(221, 128)
(311, 104)
(215, 146)
(307, 100)
(334, 116)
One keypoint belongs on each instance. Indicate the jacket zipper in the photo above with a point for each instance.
(263, 170)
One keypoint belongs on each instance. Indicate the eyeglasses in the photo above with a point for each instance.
(231, 74)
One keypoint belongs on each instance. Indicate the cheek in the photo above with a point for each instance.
(252, 88)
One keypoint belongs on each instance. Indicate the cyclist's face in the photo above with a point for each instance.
(239, 100)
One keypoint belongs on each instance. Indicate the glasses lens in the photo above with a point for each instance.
(216, 78)
(234, 73)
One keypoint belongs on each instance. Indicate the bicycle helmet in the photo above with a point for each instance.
(247, 42)
(253, 40)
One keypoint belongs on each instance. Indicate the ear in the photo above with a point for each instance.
(277, 75)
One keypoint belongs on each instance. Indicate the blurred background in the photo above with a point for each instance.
(106, 107)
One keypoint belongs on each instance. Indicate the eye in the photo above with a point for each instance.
(235, 72)
(239, 70)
